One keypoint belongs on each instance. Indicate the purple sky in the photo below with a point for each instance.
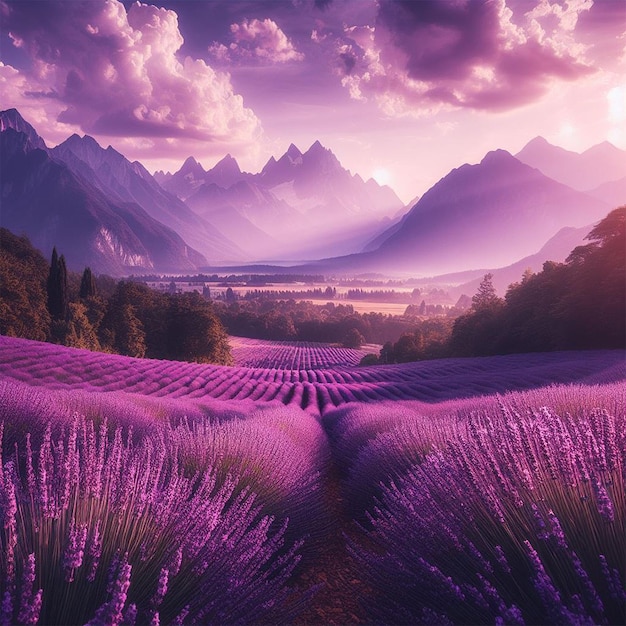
(399, 90)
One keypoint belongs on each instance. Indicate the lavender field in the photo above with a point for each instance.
(484, 490)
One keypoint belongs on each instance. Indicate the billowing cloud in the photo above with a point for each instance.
(257, 40)
(476, 54)
(118, 73)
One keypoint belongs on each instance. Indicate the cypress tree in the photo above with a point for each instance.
(64, 298)
(57, 287)
(87, 284)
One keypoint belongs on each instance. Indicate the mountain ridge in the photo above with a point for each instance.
(126, 181)
(44, 199)
(596, 166)
(305, 203)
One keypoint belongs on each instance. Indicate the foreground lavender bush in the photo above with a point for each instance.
(98, 529)
(519, 519)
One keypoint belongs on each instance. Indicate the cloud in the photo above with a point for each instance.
(423, 56)
(259, 41)
(118, 73)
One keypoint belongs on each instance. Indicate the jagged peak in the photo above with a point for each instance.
(191, 165)
(229, 161)
(11, 118)
(498, 156)
(293, 151)
(316, 146)
(190, 161)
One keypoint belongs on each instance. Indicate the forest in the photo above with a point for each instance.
(46, 302)
(579, 304)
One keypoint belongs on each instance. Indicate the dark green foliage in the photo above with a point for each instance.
(578, 304)
(428, 340)
(304, 321)
(369, 359)
(87, 285)
(194, 333)
(46, 302)
(58, 297)
(353, 339)
(23, 272)
(81, 332)
(486, 298)
(142, 322)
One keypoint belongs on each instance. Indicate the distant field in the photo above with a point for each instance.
(387, 308)
(295, 355)
(57, 367)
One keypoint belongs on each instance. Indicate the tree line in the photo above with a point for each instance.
(576, 305)
(579, 304)
(333, 322)
(46, 302)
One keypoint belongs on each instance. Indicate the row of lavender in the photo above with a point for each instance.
(509, 510)
(116, 510)
(474, 510)
(57, 367)
(293, 355)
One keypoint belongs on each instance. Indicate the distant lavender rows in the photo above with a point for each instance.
(57, 367)
(292, 355)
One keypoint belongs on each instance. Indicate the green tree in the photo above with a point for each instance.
(408, 348)
(194, 333)
(87, 285)
(353, 339)
(486, 298)
(57, 287)
(595, 303)
(130, 338)
(80, 332)
(478, 332)
(23, 311)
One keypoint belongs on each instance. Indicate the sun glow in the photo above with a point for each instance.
(381, 175)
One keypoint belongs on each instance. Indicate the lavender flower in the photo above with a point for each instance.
(75, 550)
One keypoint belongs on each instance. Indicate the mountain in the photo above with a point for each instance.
(557, 249)
(46, 200)
(599, 164)
(11, 119)
(613, 192)
(123, 181)
(486, 215)
(478, 216)
(305, 204)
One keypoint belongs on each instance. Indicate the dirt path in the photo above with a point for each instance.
(337, 602)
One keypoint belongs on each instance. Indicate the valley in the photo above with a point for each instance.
(312, 313)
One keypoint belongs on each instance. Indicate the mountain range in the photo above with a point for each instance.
(104, 211)
(302, 205)
(125, 182)
(53, 206)
(487, 215)
(587, 171)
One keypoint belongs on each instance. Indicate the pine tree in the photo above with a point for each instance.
(486, 297)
